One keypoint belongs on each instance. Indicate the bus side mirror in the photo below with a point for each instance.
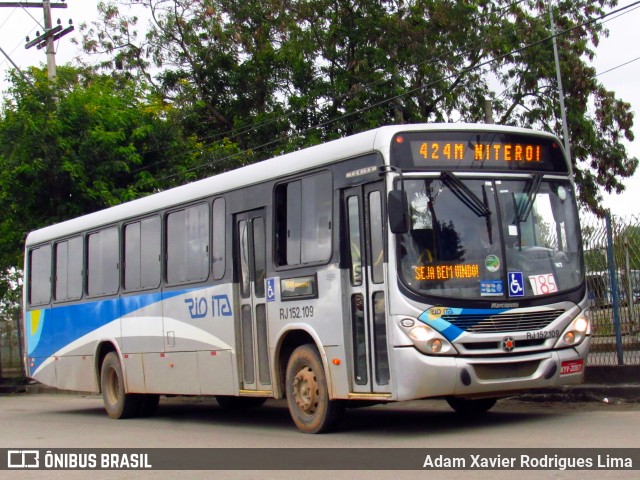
(398, 208)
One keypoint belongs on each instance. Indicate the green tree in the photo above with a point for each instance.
(304, 71)
(215, 62)
(81, 144)
(627, 247)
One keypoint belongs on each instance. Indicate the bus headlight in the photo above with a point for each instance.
(429, 341)
(576, 332)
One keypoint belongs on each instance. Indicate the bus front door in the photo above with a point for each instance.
(365, 253)
(251, 325)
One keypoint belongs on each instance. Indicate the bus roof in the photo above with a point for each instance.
(323, 154)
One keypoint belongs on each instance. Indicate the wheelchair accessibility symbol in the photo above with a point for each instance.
(271, 289)
(516, 284)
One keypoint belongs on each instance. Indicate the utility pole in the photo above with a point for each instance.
(563, 112)
(51, 54)
(50, 33)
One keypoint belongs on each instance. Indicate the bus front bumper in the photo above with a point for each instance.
(424, 376)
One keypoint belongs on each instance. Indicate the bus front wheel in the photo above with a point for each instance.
(117, 403)
(307, 393)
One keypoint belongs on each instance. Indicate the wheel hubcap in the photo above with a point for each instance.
(305, 390)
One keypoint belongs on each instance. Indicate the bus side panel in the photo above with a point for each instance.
(61, 342)
(172, 373)
(216, 373)
(322, 315)
(76, 372)
(134, 373)
(142, 323)
(198, 344)
(338, 374)
(79, 328)
(38, 331)
(207, 372)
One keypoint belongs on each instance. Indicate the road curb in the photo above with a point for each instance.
(585, 393)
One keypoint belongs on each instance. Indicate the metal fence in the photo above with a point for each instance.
(612, 260)
(11, 369)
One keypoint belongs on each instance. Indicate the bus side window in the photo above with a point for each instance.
(218, 236)
(142, 254)
(68, 267)
(188, 244)
(304, 220)
(355, 243)
(102, 262)
(40, 275)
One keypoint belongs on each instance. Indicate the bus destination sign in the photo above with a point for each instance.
(446, 272)
(477, 151)
(497, 152)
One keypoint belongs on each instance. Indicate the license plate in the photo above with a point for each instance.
(572, 366)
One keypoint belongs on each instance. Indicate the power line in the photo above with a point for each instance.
(8, 18)
(47, 38)
(625, 63)
(408, 92)
(245, 130)
(618, 66)
(235, 133)
(24, 77)
(239, 131)
(602, 23)
(32, 17)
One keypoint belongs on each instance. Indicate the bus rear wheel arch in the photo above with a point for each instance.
(308, 394)
(117, 402)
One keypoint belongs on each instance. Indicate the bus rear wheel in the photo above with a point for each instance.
(117, 403)
(307, 393)
(468, 406)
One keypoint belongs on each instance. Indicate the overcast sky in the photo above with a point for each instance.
(613, 53)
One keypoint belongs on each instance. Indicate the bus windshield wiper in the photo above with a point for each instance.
(526, 203)
(464, 194)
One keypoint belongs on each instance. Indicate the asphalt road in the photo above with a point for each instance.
(53, 421)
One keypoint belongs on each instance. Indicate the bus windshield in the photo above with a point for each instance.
(490, 239)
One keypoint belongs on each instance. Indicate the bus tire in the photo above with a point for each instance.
(238, 403)
(117, 403)
(307, 393)
(468, 406)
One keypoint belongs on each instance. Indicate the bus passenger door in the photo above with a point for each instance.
(365, 253)
(252, 345)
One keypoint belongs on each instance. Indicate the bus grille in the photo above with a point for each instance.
(504, 322)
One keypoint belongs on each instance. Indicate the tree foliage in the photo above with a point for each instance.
(188, 88)
(275, 75)
(83, 143)
(627, 247)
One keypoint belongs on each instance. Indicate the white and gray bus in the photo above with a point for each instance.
(405, 262)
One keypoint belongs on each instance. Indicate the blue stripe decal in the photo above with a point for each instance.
(63, 324)
(433, 318)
